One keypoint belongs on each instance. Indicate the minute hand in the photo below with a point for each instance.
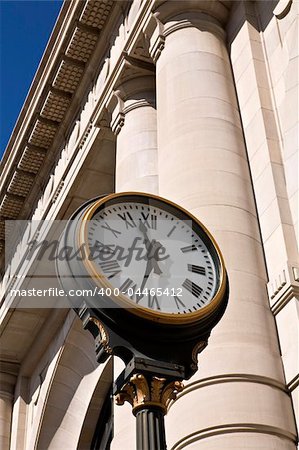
(152, 248)
(151, 263)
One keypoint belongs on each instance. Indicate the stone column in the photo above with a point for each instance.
(7, 383)
(135, 123)
(238, 398)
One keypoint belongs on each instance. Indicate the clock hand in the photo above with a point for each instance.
(152, 248)
(151, 264)
(148, 270)
(143, 229)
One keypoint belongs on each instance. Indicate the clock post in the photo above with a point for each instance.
(159, 287)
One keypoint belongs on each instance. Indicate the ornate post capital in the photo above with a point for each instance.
(143, 391)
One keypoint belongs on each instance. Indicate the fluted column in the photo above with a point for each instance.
(238, 398)
(135, 123)
(7, 383)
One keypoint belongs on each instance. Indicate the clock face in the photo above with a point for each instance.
(152, 254)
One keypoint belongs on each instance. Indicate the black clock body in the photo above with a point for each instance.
(126, 326)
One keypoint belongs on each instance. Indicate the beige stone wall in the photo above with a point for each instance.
(264, 55)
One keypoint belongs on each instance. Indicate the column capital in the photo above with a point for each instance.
(215, 9)
(132, 93)
(173, 16)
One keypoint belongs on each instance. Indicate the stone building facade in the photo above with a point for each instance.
(196, 101)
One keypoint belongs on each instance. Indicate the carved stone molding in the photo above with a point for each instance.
(118, 116)
(147, 391)
(141, 49)
(131, 94)
(199, 20)
(157, 42)
(283, 287)
(216, 10)
(194, 438)
(173, 16)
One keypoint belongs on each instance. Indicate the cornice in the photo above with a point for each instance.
(53, 48)
(40, 128)
(83, 120)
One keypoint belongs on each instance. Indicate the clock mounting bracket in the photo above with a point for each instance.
(140, 355)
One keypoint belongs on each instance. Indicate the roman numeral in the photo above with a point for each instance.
(99, 250)
(196, 269)
(107, 227)
(110, 267)
(128, 284)
(189, 248)
(192, 287)
(179, 302)
(150, 220)
(171, 231)
(153, 300)
(128, 219)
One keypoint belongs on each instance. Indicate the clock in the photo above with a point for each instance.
(152, 258)
(146, 278)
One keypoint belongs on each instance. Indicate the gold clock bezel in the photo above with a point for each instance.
(124, 301)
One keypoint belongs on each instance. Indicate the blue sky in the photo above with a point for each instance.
(25, 27)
